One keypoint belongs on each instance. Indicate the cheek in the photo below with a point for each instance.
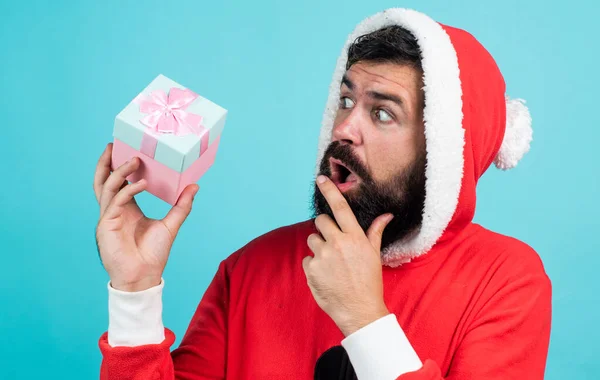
(391, 155)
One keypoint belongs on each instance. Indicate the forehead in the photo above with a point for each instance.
(403, 80)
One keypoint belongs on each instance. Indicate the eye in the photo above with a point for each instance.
(383, 116)
(346, 102)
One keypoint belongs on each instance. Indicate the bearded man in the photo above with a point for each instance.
(390, 279)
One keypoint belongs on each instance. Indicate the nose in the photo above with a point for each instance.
(348, 128)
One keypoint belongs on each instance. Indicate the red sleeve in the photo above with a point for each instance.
(509, 337)
(201, 354)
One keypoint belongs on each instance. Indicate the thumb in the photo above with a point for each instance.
(179, 212)
(375, 231)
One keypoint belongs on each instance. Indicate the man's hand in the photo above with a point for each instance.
(133, 248)
(345, 275)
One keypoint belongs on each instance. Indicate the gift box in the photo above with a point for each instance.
(175, 133)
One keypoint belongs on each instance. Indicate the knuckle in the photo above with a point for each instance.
(306, 261)
(120, 172)
(309, 266)
(321, 219)
(126, 166)
(128, 189)
(338, 243)
(112, 181)
(117, 181)
(100, 225)
(337, 246)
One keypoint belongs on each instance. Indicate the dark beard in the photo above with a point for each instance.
(403, 195)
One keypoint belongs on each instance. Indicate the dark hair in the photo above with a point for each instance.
(390, 44)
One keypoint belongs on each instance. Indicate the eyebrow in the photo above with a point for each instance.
(375, 94)
(383, 96)
(347, 82)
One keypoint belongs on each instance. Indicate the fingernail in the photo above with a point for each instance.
(321, 179)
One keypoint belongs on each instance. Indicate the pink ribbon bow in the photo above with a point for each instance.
(167, 114)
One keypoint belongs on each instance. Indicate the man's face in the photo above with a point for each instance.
(377, 155)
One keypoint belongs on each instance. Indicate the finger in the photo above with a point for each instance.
(315, 243)
(114, 183)
(305, 264)
(125, 195)
(180, 211)
(327, 226)
(375, 231)
(341, 210)
(102, 170)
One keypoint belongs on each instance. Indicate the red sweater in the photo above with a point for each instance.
(476, 308)
(477, 305)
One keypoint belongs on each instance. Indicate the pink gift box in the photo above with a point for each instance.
(175, 133)
(163, 182)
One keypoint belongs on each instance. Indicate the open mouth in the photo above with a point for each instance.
(341, 176)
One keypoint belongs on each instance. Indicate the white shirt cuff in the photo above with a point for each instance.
(381, 350)
(135, 318)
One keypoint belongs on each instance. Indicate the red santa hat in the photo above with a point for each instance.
(469, 123)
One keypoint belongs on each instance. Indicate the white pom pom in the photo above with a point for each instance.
(518, 135)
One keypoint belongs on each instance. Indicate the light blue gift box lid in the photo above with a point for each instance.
(176, 152)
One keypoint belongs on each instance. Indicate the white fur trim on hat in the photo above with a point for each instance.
(443, 116)
(517, 137)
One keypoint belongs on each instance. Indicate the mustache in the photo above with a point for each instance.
(344, 153)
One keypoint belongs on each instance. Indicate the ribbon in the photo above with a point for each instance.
(167, 115)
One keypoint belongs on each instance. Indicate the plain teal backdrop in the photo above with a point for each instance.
(67, 68)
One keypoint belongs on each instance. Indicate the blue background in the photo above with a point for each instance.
(68, 68)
